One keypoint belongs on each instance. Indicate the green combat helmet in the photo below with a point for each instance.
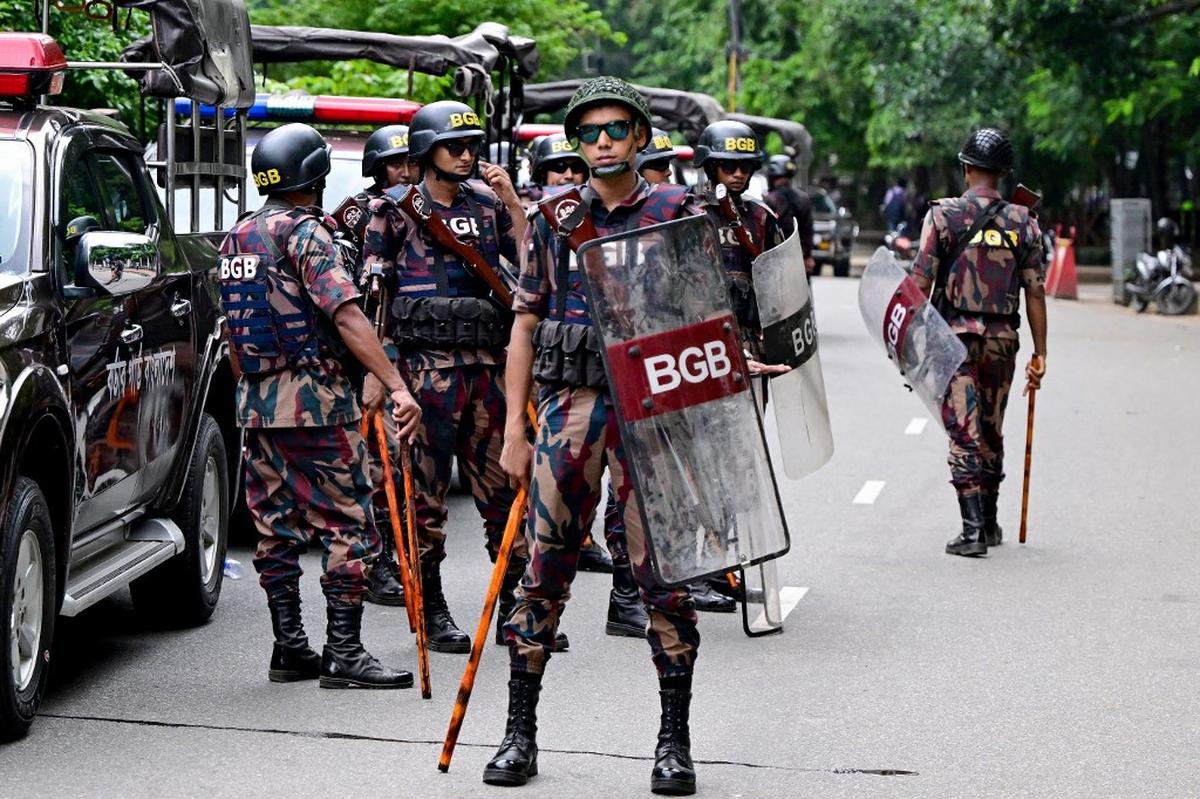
(606, 90)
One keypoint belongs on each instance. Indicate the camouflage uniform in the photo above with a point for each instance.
(304, 470)
(460, 389)
(981, 305)
(578, 436)
(794, 209)
(760, 222)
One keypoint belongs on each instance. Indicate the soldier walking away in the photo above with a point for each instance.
(977, 251)
(385, 161)
(297, 336)
(895, 204)
(451, 331)
(654, 161)
(578, 437)
(791, 205)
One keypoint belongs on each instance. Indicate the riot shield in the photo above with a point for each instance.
(790, 336)
(762, 605)
(914, 335)
(692, 435)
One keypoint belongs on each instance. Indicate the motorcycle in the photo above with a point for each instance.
(901, 243)
(1164, 278)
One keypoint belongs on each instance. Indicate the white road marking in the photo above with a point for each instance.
(917, 426)
(869, 492)
(789, 597)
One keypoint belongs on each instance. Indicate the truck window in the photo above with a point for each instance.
(123, 198)
(78, 202)
(15, 181)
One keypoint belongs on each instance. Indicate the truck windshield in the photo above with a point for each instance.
(15, 180)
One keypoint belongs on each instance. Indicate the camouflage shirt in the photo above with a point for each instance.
(981, 279)
(538, 286)
(415, 265)
(313, 395)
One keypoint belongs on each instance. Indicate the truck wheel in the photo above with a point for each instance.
(841, 267)
(27, 606)
(183, 591)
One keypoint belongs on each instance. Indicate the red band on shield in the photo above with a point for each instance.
(669, 371)
(900, 312)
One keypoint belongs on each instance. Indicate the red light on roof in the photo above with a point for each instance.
(365, 110)
(30, 64)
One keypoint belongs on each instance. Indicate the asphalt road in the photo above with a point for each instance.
(1064, 667)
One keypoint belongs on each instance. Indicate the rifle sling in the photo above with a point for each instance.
(938, 295)
(731, 214)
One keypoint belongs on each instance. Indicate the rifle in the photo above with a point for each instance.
(1023, 195)
(724, 202)
(413, 203)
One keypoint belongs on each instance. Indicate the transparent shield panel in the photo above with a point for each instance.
(762, 609)
(692, 435)
(785, 309)
(913, 334)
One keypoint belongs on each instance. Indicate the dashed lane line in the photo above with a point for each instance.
(789, 597)
(917, 426)
(869, 492)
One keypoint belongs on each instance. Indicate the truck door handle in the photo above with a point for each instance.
(181, 308)
(131, 334)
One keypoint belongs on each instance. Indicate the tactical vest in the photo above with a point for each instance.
(739, 263)
(353, 215)
(272, 321)
(440, 304)
(567, 348)
(984, 279)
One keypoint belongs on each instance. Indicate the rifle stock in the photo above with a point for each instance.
(731, 214)
(1023, 195)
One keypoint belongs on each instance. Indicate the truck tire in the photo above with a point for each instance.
(28, 606)
(183, 592)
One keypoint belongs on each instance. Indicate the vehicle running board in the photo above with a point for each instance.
(148, 543)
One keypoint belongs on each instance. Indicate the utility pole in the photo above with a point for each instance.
(733, 51)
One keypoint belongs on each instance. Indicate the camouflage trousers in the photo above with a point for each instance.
(462, 415)
(577, 438)
(307, 482)
(973, 413)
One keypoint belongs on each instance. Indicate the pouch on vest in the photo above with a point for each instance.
(567, 354)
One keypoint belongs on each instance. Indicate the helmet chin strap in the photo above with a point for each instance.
(449, 177)
(610, 171)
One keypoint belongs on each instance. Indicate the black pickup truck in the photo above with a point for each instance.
(118, 450)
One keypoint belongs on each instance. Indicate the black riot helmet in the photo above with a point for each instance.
(728, 141)
(990, 149)
(387, 142)
(441, 121)
(290, 158)
(551, 149)
(781, 166)
(659, 148)
(1167, 231)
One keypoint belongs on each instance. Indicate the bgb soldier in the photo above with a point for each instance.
(294, 330)
(432, 242)
(977, 253)
(578, 437)
(791, 205)
(655, 159)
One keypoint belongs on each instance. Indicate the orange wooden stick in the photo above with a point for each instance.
(414, 561)
(389, 487)
(515, 517)
(1028, 462)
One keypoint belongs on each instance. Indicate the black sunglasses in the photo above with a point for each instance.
(567, 166)
(617, 130)
(731, 167)
(456, 147)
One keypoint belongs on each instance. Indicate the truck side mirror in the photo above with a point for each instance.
(115, 263)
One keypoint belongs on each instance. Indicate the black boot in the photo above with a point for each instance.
(991, 528)
(508, 601)
(440, 630)
(673, 773)
(292, 659)
(382, 586)
(971, 541)
(711, 601)
(516, 760)
(345, 664)
(594, 559)
(626, 614)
